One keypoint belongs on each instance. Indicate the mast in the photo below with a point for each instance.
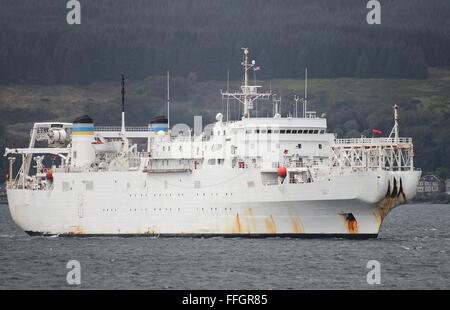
(228, 89)
(168, 99)
(11, 161)
(123, 105)
(246, 90)
(248, 93)
(305, 102)
(396, 129)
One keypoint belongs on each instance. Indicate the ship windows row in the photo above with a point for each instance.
(286, 131)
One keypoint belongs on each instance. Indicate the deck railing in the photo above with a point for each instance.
(373, 141)
(118, 128)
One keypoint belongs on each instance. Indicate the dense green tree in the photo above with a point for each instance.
(204, 37)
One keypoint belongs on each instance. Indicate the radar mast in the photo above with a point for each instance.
(248, 93)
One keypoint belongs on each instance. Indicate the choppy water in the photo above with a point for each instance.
(413, 250)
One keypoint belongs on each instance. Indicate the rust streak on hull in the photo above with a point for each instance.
(297, 225)
(352, 226)
(271, 225)
(390, 201)
(78, 230)
(250, 220)
(237, 224)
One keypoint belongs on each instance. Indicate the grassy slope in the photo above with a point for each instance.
(434, 92)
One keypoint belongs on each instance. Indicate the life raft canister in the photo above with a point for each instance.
(49, 176)
(282, 172)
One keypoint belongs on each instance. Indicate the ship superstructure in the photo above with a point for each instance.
(256, 176)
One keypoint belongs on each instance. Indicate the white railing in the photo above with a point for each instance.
(118, 128)
(373, 141)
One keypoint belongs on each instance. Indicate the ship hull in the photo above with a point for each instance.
(351, 206)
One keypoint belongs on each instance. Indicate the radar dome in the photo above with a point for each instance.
(219, 117)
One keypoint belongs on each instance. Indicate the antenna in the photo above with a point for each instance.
(396, 123)
(305, 102)
(306, 83)
(168, 99)
(254, 83)
(123, 104)
(249, 93)
(228, 90)
(245, 92)
(296, 98)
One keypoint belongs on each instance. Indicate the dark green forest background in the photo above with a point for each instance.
(198, 40)
(205, 36)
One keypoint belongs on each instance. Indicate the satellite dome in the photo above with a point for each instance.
(219, 117)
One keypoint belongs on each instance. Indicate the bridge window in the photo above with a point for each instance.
(320, 146)
(316, 131)
(212, 161)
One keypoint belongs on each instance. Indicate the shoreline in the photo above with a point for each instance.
(436, 198)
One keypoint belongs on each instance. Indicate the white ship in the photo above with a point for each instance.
(254, 177)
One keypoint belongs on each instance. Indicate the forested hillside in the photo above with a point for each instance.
(204, 37)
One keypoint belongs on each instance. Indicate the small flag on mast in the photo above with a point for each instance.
(256, 68)
(377, 131)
